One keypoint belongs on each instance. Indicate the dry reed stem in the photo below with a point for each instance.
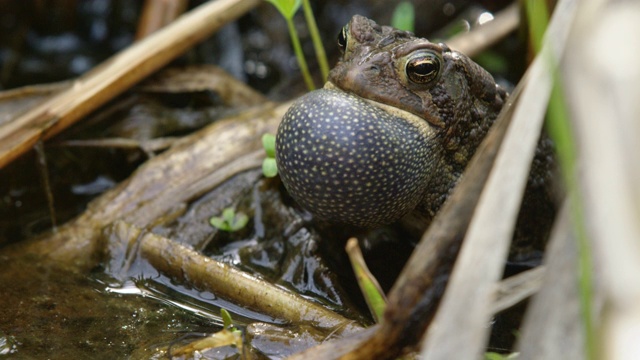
(460, 329)
(115, 75)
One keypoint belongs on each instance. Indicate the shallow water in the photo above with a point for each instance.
(49, 312)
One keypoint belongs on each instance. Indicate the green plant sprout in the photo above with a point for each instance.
(371, 290)
(269, 166)
(403, 16)
(227, 322)
(230, 220)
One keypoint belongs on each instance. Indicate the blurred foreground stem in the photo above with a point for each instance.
(559, 129)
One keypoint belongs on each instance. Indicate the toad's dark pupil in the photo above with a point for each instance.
(422, 70)
(342, 39)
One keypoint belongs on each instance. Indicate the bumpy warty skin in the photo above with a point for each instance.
(354, 152)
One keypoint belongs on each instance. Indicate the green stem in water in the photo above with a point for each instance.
(299, 55)
(317, 41)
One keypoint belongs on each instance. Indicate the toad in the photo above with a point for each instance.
(391, 131)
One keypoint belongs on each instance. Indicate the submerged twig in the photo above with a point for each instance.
(231, 284)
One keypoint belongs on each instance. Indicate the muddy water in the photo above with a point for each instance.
(50, 312)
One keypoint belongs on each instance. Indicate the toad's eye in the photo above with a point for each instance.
(342, 38)
(423, 67)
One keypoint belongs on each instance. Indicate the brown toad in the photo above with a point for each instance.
(390, 132)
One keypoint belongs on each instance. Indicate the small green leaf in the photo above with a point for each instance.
(403, 16)
(287, 8)
(230, 220)
(239, 221)
(219, 223)
(269, 144)
(227, 322)
(269, 167)
(228, 214)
